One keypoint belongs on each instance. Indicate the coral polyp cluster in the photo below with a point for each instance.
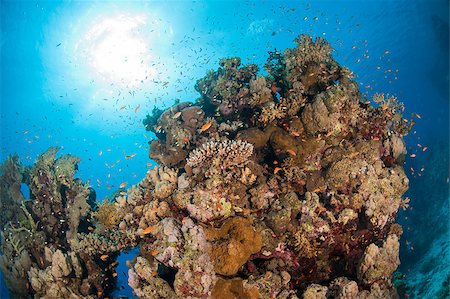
(278, 186)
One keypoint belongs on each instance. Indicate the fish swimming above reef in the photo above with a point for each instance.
(284, 185)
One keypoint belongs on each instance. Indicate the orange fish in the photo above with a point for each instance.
(274, 88)
(205, 127)
(137, 108)
(291, 152)
(123, 184)
(295, 134)
(155, 252)
(276, 170)
(148, 230)
(114, 274)
(176, 115)
(154, 273)
(104, 257)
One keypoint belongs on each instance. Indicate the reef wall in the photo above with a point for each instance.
(277, 186)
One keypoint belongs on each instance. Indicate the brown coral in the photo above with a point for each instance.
(232, 244)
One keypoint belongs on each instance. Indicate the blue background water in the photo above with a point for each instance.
(53, 94)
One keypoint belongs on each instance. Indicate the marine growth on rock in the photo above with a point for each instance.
(278, 186)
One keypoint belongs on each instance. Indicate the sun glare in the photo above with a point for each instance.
(118, 51)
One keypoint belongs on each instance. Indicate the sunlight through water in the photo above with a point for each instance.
(117, 50)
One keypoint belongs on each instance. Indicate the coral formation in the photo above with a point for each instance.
(277, 186)
(40, 235)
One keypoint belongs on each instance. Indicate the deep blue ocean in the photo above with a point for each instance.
(82, 75)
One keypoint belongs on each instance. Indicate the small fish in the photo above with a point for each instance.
(276, 170)
(412, 155)
(100, 153)
(154, 273)
(104, 257)
(274, 88)
(275, 162)
(99, 293)
(148, 230)
(418, 116)
(158, 128)
(123, 184)
(114, 274)
(155, 252)
(185, 140)
(41, 261)
(291, 152)
(176, 115)
(295, 134)
(123, 107)
(149, 164)
(137, 108)
(90, 228)
(425, 148)
(205, 127)
(58, 45)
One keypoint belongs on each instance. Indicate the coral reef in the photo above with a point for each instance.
(277, 186)
(39, 240)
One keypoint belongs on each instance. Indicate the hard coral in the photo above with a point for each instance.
(232, 244)
(272, 186)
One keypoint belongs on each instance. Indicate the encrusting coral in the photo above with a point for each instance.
(278, 186)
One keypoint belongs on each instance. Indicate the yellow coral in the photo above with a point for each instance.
(107, 214)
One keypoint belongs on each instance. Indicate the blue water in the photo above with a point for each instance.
(64, 83)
